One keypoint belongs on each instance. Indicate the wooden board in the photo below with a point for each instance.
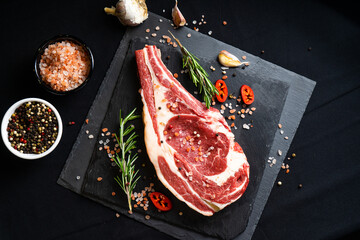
(281, 96)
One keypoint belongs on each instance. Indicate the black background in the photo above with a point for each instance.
(33, 206)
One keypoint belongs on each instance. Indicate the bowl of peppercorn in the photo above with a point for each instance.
(31, 128)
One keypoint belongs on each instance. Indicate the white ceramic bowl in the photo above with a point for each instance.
(4, 132)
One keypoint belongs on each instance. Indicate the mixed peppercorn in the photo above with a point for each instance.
(32, 128)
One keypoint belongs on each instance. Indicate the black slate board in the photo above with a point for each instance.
(281, 96)
(126, 97)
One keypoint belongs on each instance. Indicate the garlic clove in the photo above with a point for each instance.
(177, 16)
(228, 60)
(129, 12)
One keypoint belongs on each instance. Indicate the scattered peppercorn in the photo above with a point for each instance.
(32, 128)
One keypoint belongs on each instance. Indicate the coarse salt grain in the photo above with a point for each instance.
(64, 65)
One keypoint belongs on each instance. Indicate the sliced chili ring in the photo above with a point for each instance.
(247, 94)
(222, 89)
(160, 201)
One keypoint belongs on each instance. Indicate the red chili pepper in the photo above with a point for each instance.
(247, 94)
(223, 90)
(161, 201)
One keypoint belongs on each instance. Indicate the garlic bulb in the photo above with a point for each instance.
(129, 12)
(177, 16)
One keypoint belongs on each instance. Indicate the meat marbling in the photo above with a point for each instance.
(191, 147)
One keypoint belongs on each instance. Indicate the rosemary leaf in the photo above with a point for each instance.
(197, 74)
(126, 160)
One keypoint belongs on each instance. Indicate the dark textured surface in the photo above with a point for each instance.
(33, 206)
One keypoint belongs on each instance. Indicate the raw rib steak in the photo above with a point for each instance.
(191, 147)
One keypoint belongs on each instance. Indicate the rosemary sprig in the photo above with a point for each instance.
(126, 160)
(197, 74)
